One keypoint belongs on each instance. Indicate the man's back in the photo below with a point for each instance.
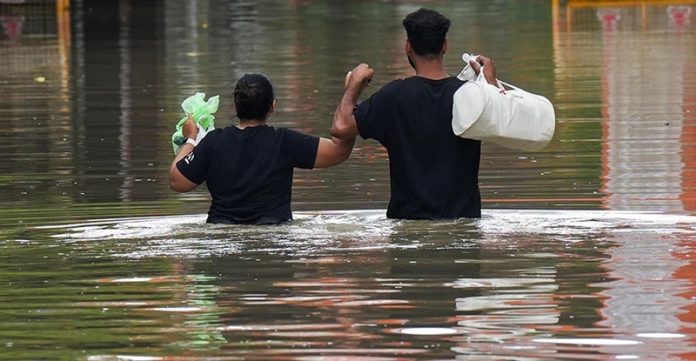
(434, 174)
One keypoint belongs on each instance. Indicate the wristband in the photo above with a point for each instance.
(191, 141)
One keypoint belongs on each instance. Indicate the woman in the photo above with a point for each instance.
(249, 167)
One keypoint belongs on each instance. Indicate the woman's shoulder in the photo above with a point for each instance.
(213, 136)
(228, 131)
(289, 132)
(283, 132)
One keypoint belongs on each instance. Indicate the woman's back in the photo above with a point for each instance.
(249, 171)
(249, 167)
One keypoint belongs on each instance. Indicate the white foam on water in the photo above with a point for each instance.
(177, 309)
(122, 358)
(312, 232)
(427, 331)
(131, 280)
(660, 335)
(351, 221)
(588, 341)
(498, 282)
(521, 347)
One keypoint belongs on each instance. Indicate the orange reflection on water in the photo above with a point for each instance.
(687, 273)
(644, 114)
(646, 64)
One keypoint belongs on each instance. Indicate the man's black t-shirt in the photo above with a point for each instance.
(433, 173)
(249, 171)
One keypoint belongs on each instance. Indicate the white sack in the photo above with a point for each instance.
(511, 118)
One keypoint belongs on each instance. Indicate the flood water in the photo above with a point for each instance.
(586, 250)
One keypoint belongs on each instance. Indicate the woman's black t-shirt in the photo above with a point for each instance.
(249, 171)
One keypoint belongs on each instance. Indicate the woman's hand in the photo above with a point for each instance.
(190, 130)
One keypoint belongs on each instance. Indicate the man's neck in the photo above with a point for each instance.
(431, 69)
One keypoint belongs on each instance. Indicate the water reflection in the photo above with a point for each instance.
(353, 284)
(645, 299)
(646, 114)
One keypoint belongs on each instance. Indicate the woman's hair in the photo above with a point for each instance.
(253, 97)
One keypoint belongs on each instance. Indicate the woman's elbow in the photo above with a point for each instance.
(335, 160)
(176, 183)
(344, 155)
(175, 186)
(338, 157)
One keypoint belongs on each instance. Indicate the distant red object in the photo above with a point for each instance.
(609, 18)
(12, 27)
(679, 15)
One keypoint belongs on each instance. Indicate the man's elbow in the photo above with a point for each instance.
(337, 132)
(343, 132)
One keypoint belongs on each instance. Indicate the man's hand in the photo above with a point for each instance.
(359, 78)
(344, 128)
(488, 66)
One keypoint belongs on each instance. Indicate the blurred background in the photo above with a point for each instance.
(92, 91)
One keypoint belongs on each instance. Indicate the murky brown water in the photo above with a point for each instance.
(100, 261)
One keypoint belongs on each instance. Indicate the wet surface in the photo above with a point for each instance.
(585, 249)
(515, 284)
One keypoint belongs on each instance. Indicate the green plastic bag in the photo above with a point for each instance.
(202, 112)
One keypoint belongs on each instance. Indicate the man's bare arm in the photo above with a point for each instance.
(344, 124)
(344, 128)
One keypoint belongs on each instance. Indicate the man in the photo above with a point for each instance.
(433, 173)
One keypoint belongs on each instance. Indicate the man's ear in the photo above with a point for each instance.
(407, 47)
(445, 45)
(273, 108)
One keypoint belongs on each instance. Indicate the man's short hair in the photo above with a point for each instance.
(426, 30)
